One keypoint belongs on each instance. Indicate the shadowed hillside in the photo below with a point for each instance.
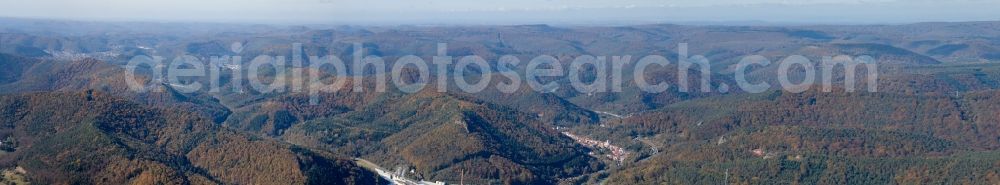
(91, 137)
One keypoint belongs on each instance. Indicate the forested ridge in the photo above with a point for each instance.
(67, 115)
(91, 137)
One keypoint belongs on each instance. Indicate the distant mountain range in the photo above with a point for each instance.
(68, 116)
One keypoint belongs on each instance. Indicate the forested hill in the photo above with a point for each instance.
(90, 137)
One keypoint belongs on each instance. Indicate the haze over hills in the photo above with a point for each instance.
(69, 115)
(578, 12)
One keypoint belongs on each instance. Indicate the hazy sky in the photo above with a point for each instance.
(508, 12)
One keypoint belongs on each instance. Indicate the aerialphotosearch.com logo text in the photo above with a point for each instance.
(606, 73)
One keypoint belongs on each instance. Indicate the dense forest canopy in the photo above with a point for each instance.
(69, 116)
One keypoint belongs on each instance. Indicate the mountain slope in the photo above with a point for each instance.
(441, 135)
(817, 137)
(91, 137)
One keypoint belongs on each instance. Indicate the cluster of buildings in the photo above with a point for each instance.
(763, 154)
(617, 153)
(399, 179)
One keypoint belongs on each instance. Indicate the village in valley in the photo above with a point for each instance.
(617, 154)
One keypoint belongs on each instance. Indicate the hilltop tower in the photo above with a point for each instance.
(500, 41)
